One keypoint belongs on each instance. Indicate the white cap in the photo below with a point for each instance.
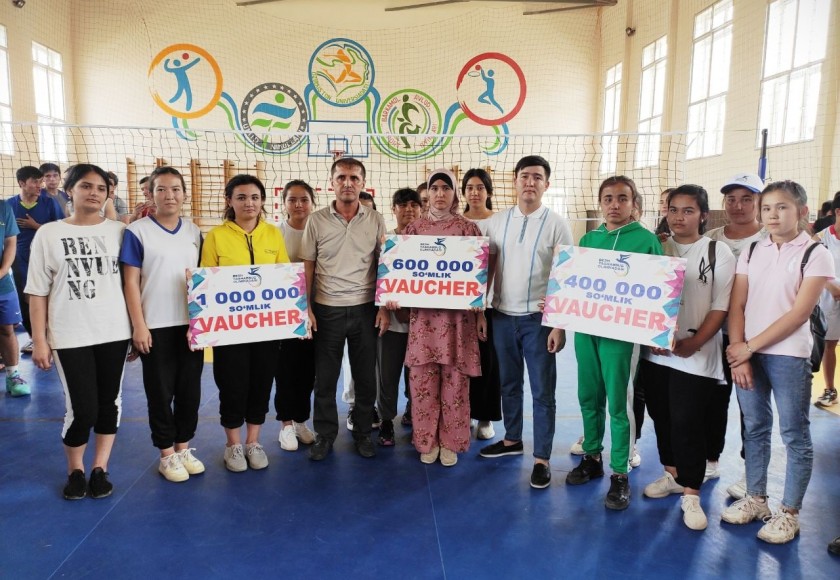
(746, 180)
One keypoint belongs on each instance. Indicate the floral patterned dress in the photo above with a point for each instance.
(442, 354)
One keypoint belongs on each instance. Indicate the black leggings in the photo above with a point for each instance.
(92, 378)
(172, 380)
(244, 374)
(295, 379)
(681, 406)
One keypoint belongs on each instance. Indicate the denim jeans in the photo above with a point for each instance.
(521, 339)
(789, 378)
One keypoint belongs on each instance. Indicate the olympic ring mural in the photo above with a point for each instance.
(186, 82)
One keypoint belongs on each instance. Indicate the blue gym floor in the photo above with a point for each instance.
(389, 517)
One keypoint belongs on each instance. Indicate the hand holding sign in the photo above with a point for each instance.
(620, 295)
(433, 272)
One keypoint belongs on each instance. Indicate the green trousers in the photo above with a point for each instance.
(603, 376)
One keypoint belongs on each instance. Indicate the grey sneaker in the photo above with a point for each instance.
(256, 456)
(234, 458)
(780, 528)
(745, 511)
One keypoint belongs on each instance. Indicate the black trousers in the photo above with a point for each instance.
(244, 374)
(638, 404)
(355, 325)
(390, 364)
(680, 405)
(172, 381)
(486, 390)
(19, 275)
(295, 379)
(92, 378)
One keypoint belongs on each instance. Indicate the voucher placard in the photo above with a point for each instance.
(621, 295)
(433, 272)
(239, 304)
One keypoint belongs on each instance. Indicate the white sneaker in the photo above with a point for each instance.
(663, 487)
(190, 461)
(738, 490)
(712, 471)
(448, 458)
(780, 528)
(234, 458)
(171, 468)
(693, 516)
(255, 454)
(635, 458)
(577, 447)
(288, 439)
(304, 433)
(431, 456)
(745, 511)
(485, 430)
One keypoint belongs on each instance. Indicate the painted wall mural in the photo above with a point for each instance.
(186, 82)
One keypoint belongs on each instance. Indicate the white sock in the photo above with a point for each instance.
(11, 370)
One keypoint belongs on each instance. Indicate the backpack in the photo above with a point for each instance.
(817, 321)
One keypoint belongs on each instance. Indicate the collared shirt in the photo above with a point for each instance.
(524, 246)
(345, 254)
(774, 280)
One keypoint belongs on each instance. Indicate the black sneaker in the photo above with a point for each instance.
(320, 449)
(76, 487)
(834, 546)
(386, 434)
(406, 418)
(365, 447)
(588, 469)
(827, 399)
(376, 422)
(540, 476)
(499, 449)
(99, 485)
(618, 497)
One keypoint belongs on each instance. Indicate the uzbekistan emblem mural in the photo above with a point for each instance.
(186, 83)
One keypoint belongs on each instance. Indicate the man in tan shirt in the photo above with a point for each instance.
(340, 250)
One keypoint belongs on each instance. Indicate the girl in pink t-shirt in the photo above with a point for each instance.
(770, 346)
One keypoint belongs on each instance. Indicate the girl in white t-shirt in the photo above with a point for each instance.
(294, 376)
(772, 299)
(679, 384)
(155, 253)
(79, 320)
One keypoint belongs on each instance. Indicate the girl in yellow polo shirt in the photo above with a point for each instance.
(240, 370)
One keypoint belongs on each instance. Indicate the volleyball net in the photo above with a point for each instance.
(207, 159)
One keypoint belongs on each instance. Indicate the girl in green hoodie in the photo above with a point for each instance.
(604, 363)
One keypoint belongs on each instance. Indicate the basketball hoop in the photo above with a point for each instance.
(337, 154)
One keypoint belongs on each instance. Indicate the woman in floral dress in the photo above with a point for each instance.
(442, 350)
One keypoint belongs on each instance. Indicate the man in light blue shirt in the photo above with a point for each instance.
(523, 239)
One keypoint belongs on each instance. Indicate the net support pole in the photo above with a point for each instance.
(131, 178)
(195, 188)
(762, 159)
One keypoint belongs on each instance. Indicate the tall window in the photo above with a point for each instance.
(652, 101)
(49, 102)
(7, 145)
(709, 80)
(612, 107)
(794, 49)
